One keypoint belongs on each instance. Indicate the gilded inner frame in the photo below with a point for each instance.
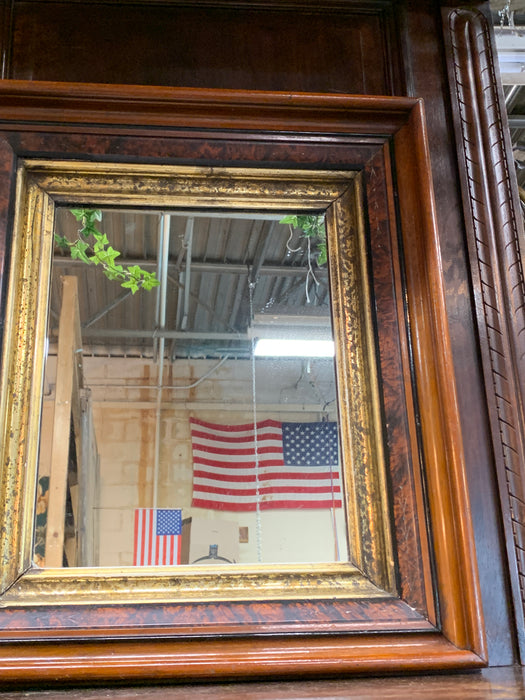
(41, 186)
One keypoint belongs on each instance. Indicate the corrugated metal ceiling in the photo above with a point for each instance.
(211, 318)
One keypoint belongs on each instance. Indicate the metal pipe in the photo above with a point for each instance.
(510, 97)
(211, 406)
(109, 307)
(165, 254)
(163, 257)
(188, 240)
(160, 333)
(517, 121)
(158, 291)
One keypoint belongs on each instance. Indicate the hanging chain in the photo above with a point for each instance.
(507, 14)
(258, 529)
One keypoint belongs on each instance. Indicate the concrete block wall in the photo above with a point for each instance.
(125, 415)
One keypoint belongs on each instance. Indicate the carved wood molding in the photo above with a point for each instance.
(495, 239)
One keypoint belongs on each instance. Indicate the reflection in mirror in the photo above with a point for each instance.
(148, 451)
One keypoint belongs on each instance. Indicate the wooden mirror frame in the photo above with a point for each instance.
(429, 615)
(44, 185)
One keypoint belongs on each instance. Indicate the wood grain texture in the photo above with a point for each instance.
(174, 660)
(296, 637)
(504, 683)
(408, 506)
(6, 33)
(414, 60)
(495, 238)
(201, 620)
(193, 44)
(68, 344)
(440, 429)
(149, 106)
(329, 616)
(426, 57)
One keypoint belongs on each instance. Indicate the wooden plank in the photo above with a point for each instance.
(67, 339)
(71, 543)
(88, 467)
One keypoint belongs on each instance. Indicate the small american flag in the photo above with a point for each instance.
(298, 465)
(158, 534)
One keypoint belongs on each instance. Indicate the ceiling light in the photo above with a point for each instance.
(293, 347)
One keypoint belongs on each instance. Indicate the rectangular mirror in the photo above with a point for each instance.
(154, 371)
(164, 465)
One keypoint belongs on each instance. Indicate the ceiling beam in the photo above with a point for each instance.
(207, 267)
(517, 121)
(159, 333)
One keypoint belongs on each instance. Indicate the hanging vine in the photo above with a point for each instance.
(93, 248)
(313, 230)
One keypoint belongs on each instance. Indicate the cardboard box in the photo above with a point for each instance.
(201, 534)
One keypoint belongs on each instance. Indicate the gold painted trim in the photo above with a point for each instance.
(370, 538)
(22, 374)
(184, 584)
(44, 184)
(173, 186)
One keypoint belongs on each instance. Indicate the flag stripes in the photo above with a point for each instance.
(225, 476)
(157, 537)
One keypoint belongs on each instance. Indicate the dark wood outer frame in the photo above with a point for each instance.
(496, 242)
(365, 33)
(107, 122)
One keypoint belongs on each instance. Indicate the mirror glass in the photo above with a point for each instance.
(190, 410)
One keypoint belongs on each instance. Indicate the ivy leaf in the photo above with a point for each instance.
(102, 253)
(109, 256)
(101, 240)
(131, 284)
(116, 272)
(290, 219)
(62, 242)
(150, 281)
(78, 251)
(79, 214)
(135, 272)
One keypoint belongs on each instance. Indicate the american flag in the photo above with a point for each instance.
(298, 465)
(158, 534)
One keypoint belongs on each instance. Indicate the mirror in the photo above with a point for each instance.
(406, 596)
(150, 457)
(163, 443)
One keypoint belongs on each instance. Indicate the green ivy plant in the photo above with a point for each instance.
(92, 247)
(313, 227)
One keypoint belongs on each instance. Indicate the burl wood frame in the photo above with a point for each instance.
(432, 620)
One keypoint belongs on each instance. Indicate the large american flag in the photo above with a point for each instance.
(298, 465)
(157, 538)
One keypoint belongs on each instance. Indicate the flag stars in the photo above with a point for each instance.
(310, 444)
(169, 522)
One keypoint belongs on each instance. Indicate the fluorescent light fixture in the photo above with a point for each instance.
(293, 347)
(510, 46)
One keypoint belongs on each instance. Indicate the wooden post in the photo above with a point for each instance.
(67, 394)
